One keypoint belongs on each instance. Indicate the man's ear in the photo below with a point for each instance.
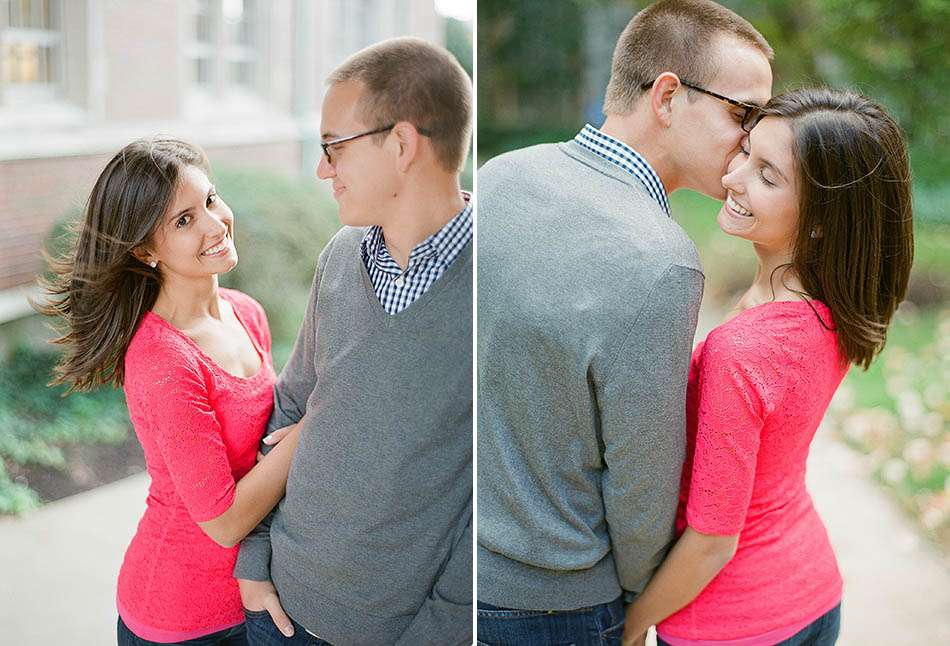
(661, 97)
(409, 140)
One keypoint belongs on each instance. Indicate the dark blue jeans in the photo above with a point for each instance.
(261, 631)
(821, 632)
(229, 637)
(596, 626)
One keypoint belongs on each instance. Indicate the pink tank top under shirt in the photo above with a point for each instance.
(758, 388)
(200, 427)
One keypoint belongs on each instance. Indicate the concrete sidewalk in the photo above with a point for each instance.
(59, 564)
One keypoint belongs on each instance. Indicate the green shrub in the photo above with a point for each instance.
(281, 225)
(495, 139)
(36, 421)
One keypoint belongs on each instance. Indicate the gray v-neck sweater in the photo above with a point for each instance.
(372, 543)
(588, 296)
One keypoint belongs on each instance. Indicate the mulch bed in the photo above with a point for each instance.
(87, 467)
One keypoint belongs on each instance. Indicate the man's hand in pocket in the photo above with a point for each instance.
(262, 595)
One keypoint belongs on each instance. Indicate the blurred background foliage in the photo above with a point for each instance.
(542, 70)
(458, 40)
(35, 422)
(284, 223)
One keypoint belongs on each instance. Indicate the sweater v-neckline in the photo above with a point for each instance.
(448, 276)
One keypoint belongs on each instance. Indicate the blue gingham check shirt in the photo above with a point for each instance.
(627, 158)
(398, 289)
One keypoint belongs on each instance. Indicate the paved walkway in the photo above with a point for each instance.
(58, 565)
(897, 586)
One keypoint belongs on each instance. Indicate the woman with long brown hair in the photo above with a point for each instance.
(140, 300)
(822, 190)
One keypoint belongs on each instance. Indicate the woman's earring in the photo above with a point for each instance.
(153, 264)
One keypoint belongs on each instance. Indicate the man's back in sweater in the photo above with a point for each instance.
(588, 298)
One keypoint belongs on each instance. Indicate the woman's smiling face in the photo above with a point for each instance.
(762, 189)
(195, 236)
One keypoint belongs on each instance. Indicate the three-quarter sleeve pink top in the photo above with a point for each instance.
(758, 389)
(200, 427)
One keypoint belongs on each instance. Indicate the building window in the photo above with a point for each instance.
(31, 50)
(201, 48)
(240, 42)
(224, 45)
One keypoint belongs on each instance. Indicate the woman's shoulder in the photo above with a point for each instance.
(250, 311)
(240, 301)
(156, 351)
(782, 331)
(154, 337)
(778, 318)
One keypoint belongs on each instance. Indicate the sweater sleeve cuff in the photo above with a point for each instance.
(253, 561)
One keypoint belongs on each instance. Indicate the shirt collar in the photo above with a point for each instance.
(452, 234)
(443, 243)
(619, 153)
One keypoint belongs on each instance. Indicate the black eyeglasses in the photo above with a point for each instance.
(752, 115)
(341, 140)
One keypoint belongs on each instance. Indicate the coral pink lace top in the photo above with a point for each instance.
(200, 427)
(758, 388)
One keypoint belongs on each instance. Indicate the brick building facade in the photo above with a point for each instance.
(242, 78)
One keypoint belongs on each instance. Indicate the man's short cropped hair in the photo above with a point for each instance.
(409, 79)
(673, 36)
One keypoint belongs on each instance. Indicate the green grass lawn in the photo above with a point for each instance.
(912, 334)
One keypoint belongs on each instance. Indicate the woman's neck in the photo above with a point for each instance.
(181, 303)
(775, 280)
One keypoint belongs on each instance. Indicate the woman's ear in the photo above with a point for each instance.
(144, 256)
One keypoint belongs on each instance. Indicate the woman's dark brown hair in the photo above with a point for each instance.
(855, 240)
(99, 288)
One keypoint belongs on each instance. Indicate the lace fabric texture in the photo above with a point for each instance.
(758, 388)
(200, 428)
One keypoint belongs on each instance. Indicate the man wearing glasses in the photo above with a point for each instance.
(588, 296)
(372, 543)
